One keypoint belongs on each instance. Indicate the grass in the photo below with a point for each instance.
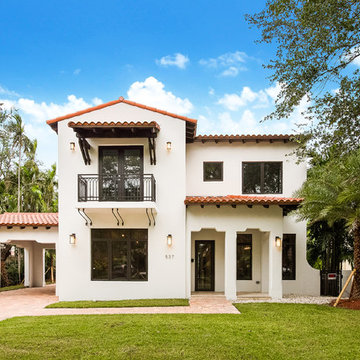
(120, 303)
(13, 287)
(261, 331)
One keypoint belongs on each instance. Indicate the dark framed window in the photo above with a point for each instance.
(289, 257)
(121, 173)
(262, 177)
(244, 257)
(213, 170)
(119, 255)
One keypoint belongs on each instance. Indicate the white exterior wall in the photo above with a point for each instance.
(239, 220)
(270, 222)
(178, 173)
(166, 277)
(233, 155)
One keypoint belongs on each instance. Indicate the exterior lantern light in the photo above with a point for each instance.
(277, 241)
(72, 146)
(72, 239)
(168, 146)
(169, 240)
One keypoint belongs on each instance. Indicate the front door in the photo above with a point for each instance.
(120, 171)
(204, 265)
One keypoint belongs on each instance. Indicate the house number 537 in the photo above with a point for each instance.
(169, 257)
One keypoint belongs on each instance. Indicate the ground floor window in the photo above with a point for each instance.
(288, 257)
(119, 255)
(244, 257)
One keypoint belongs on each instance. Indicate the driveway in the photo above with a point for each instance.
(32, 302)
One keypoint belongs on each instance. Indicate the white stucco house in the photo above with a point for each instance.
(148, 209)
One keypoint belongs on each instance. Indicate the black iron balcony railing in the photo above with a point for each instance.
(127, 187)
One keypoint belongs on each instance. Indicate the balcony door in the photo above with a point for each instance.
(121, 173)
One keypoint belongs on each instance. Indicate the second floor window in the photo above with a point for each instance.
(262, 177)
(213, 171)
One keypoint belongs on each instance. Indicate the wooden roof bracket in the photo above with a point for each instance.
(152, 150)
(84, 147)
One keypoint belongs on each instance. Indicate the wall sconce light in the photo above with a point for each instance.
(72, 239)
(168, 146)
(72, 146)
(277, 241)
(169, 240)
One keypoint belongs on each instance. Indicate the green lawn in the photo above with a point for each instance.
(262, 331)
(14, 287)
(120, 303)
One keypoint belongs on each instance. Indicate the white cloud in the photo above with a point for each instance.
(151, 92)
(232, 71)
(77, 71)
(39, 112)
(6, 92)
(353, 53)
(273, 91)
(35, 114)
(231, 63)
(97, 101)
(245, 123)
(211, 91)
(177, 59)
(235, 101)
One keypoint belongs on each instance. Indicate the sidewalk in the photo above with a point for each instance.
(32, 302)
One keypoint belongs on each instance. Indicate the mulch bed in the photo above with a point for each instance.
(348, 304)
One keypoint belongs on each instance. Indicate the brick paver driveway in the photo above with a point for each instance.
(32, 302)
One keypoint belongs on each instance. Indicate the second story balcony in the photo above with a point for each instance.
(115, 188)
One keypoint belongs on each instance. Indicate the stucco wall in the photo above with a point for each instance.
(166, 276)
(233, 155)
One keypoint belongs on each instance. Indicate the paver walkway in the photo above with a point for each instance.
(32, 302)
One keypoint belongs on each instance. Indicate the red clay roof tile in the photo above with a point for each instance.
(241, 199)
(29, 219)
(144, 124)
(243, 138)
(114, 102)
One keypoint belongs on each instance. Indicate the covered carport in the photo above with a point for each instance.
(34, 232)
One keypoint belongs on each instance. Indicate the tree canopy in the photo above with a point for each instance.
(25, 185)
(317, 58)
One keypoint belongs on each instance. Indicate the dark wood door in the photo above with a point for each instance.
(121, 173)
(204, 265)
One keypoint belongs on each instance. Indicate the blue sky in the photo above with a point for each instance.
(195, 58)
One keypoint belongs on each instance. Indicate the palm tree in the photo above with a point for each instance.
(332, 193)
(22, 143)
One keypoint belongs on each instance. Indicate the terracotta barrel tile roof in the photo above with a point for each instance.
(241, 199)
(144, 124)
(243, 137)
(29, 219)
(120, 100)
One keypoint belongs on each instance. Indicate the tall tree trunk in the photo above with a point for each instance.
(19, 180)
(19, 265)
(355, 290)
(52, 267)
